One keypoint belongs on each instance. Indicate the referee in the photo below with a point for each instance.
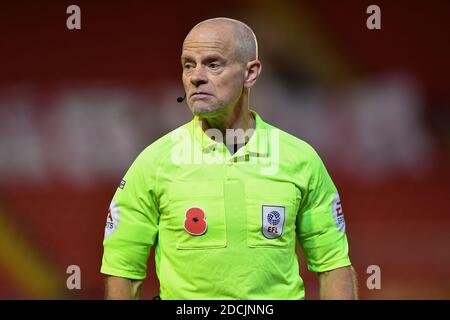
(225, 197)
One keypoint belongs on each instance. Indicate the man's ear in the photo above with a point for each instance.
(253, 69)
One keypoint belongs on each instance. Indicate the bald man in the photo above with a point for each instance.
(225, 227)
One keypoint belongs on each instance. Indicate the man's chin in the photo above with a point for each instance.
(204, 110)
(201, 112)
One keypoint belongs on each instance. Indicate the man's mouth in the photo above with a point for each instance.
(200, 95)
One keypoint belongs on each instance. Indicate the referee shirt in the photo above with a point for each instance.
(225, 226)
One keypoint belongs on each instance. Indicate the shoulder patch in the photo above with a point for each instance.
(338, 213)
(112, 219)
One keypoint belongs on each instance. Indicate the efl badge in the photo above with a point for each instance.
(195, 222)
(273, 221)
(338, 213)
(112, 219)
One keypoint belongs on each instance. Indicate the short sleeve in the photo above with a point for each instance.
(320, 220)
(132, 223)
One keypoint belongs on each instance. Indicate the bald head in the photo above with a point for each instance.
(241, 35)
(219, 61)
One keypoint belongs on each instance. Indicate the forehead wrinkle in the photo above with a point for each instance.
(204, 44)
(204, 41)
(194, 48)
(220, 37)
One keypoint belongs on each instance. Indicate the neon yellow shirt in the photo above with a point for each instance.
(225, 226)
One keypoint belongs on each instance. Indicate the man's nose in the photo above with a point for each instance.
(198, 76)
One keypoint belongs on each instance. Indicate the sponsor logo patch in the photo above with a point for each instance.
(338, 213)
(122, 184)
(112, 219)
(273, 221)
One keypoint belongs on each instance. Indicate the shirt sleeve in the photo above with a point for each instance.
(320, 220)
(132, 223)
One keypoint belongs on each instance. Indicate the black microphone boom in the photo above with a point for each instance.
(180, 99)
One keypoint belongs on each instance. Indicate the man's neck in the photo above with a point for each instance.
(237, 117)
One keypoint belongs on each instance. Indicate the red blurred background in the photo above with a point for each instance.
(77, 106)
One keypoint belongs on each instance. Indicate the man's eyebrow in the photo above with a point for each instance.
(185, 57)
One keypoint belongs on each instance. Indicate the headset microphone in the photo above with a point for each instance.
(180, 99)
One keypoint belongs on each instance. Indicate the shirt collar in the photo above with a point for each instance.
(258, 145)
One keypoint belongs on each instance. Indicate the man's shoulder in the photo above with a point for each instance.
(162, 147)
(293, 146)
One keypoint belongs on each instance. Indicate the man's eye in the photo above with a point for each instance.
(188, 66)
(213, 65)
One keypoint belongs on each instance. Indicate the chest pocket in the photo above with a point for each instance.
(271, 214)
(195, 202)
